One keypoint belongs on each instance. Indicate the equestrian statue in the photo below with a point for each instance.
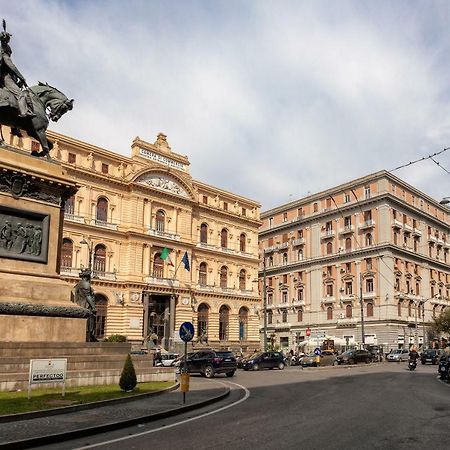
(27, 108)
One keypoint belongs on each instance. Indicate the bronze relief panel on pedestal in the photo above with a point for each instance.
(23, 235)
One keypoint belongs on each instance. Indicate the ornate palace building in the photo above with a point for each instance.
(126, 212)
(373, 252)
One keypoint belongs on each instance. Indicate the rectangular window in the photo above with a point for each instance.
(346, 198)
(348, 288)
(105, 168)
(328, 202)
(225, 206)
(285, 279)
(270, 222)
(329, 290)
(285, 217)
(284, 297)
(270, 299)
(300, 212)
(348, 222)
(367, 191)
(284, 238)
(72, 158)
(300, 295)
(244, 212)
(369, 285)
(271, 242)
(205, 199)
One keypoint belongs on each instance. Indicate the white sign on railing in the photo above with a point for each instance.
(47, 371)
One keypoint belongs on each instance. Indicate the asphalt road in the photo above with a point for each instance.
(381, 406)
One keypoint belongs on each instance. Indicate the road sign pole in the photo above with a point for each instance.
(185, 369)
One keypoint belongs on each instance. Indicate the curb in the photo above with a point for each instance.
(83, 406)
(55, 438)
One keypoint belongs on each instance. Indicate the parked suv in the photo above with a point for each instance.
(210, 362)
(265, 360)
(430, 355)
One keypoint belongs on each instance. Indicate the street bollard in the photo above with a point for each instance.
(184, 385)
(317, 360)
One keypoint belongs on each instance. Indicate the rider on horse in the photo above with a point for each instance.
(11, 78)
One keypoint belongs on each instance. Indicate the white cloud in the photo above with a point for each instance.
(268, 99)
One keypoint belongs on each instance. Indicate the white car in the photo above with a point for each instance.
(400, 354)
(168, 358)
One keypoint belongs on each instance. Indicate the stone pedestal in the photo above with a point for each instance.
(35, 304)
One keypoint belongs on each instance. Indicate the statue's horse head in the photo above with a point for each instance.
(53, 99)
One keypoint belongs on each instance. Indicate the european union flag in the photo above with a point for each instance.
(185, 261)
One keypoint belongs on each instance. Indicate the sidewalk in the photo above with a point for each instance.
(42, 430)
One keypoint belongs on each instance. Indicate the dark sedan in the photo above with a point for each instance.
(265, 360)
(353, 357)
(431, 356)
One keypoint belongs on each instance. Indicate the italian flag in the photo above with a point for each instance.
(165, 256)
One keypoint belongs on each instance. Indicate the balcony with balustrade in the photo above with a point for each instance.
(162, 281)
(328, 234)
(103, 224)
(297, 242)
(370, 223)
(163, 234)
(74, 218)
(348, 229)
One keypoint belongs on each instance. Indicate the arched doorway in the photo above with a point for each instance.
(202, 320)
(243, 323)
(101, 303)
(224, 319)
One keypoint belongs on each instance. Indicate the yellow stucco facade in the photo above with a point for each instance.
(126, 212)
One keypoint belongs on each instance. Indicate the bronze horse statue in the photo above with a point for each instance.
(44, 98)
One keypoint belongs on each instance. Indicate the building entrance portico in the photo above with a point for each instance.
(159, 319)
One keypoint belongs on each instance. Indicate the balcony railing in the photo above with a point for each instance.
(162, 281)
(328, 299)
(269, 249)
(347, 229)
(103, 224)
(100, 275)
(283, 245)
(327, 234)
(416, 232)
(407, 227)
(73, 218)
(163, 234)
(299, 241)
(206, 287)
(206, 245)
(367, 224)
(396, 224)
(69, 271)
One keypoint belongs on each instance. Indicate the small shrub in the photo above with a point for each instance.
(116, 338)
(128, 378)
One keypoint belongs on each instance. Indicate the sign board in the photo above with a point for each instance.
(308, 332)
(187, 331)
(318, 334)
(47, 371)
(317, 351)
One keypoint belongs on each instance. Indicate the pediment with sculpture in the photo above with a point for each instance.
(164, 183)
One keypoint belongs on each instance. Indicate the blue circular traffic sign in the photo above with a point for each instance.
(186, 331)
(317, 351)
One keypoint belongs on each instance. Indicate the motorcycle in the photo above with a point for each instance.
(443, 368)
(412, 364)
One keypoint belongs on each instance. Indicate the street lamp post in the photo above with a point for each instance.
(90, 245)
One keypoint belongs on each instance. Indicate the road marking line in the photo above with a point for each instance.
(165, 427)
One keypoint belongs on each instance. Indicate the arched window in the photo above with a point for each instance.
(100, 258)
(285, 258)
(224, 238)
(300, 315)
(348, 311)
(69, 206)
(399, 309)
(202, 319)
(270, 261)
(329, 313)
(243, 323)
(160, 221)
(410, 305)
(300, 254)
(101, 304)
(242, 242)
(242, 275)
(348, 244)
(66, 253)
(223, 277)
(102, 210)
(224, 317)
(284, 316)
(158, 266)
(369, 240)
(329, 248)
(204, 233)
(369, 310)
(202, 274)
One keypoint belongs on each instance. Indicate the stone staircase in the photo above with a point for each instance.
(91, 363)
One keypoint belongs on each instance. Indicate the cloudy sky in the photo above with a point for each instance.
(269, 99)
